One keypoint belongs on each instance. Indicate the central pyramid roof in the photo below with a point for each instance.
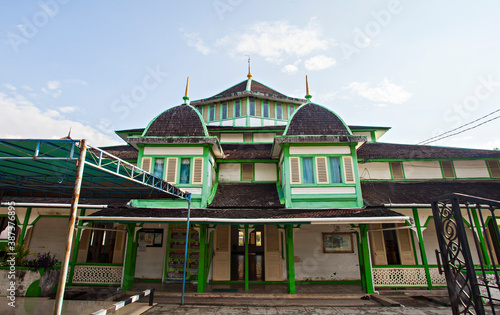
(249, 87)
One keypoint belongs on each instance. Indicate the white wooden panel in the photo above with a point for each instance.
(49, 235)
(231, 137)
(173, 151)
(377, 246)
(268, 122)
(324, 190)
(226, 123)
(194, 191)
(279, 122)
(471, 169)
(422, 169)
(255, 122)
(265, 172)
(374, 170)
(240, 122)
(272, 254)
(221, 270)
(229, 171)
(149, 264)
(405, 247)
(320, 150)
(368, 135)
(263, 137)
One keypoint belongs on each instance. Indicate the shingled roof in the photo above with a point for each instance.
(256, 89)
(247, 151)
(246, 195)
(313, 119)
(179, 121)
(245, 213)
(124, 152)
(379, 150)
(377, 193)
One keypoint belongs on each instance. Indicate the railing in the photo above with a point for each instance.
(406, 276)
(97, 274)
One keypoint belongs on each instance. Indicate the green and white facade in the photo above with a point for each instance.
(283, 191)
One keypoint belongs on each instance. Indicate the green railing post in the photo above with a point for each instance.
(247, 273)
(422, 248)
(290, 260)
(25, 225)
(76, 247)
(202, 278)
(367, 268)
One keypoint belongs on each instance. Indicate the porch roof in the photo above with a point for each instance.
(46, 168)
(234, 215)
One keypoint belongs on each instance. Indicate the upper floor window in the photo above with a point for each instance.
(159, 166)
(335, 170)
(266, 108)
(252, 107)
(397, 170)
(177, 171)
(308, 170)
(321, 170)
(279, 111)
(224, 111)
(185, 171)
(447, 167)
(237, 108)
(290, 111)
(212, 113)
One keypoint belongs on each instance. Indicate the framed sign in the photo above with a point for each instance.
(151, 237)
(337, 243)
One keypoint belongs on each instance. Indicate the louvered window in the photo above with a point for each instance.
(247, 172)
(258, 109)
(248, 137)
(197, 170)
(494, 168)
(447, 167)
(146, 164)
(294, 170)
(321, 170)
(217, 112)
(397, 170)
(237, 108)
(348, 170)
(172, 170)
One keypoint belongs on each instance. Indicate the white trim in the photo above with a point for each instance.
(49, 205)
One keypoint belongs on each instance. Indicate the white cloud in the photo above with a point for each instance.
(289, 69)
(22, 119)
(67, 109)
(75, 81)
(53, 85)
(326, 97)
(385, 92)
(276, 40)
(195, 40)
(9, 86)
(319, 62)
(27, 88)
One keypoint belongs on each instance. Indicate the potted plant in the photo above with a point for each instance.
(45, 264)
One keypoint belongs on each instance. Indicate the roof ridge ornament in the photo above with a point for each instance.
(186, 97)
(308, 96)
(249, 75)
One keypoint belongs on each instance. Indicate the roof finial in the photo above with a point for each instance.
(186, 97)
(249, 75)
(308, 96)
(68, 136)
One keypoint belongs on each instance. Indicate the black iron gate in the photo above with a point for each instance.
(473, 284)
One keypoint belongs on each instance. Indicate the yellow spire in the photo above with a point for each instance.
(186, 97)
(308, 96)
(249, 75)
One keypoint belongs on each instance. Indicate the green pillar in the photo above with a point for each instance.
(422, 248)
(25, 225)
(361, 263)
(479, 230)
(367, 267)
(290, 260)
(128, 266)
(74, 255)
(202, 278)
(247, 274)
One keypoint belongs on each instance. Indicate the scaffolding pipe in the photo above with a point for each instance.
(186, 250)
(71, 229)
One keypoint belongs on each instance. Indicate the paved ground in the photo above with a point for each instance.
(292, 310)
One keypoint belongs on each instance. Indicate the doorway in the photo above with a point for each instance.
(255, 254)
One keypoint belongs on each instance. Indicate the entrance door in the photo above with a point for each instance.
(272, 257)
(222, 253)
(255, 254)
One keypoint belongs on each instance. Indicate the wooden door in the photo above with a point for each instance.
(377, 245)
(222, 253)
(272, 254)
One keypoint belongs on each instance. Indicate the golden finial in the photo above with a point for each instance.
(308, 96)
(249, 75)
(186, 97)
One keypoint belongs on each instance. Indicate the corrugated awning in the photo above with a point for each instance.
(47, 168)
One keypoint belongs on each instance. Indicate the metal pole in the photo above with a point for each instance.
(186, 249)
(71, 229)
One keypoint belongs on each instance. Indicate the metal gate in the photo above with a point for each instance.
(473, 283)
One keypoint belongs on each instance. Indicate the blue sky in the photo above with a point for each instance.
(420, 67)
